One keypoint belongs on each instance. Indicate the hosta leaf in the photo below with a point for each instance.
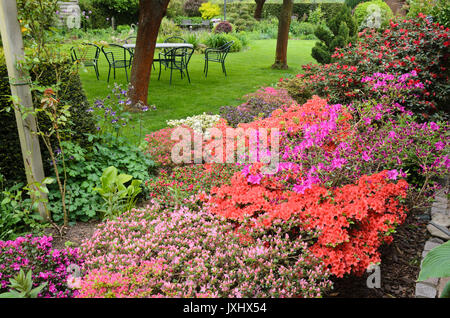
(436, 263)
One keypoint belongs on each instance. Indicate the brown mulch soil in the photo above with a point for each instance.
(74, 234)
(400, 266)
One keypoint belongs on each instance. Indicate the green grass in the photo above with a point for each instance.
(247, 72)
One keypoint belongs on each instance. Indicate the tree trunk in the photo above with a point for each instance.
(284, 22)
(258, 10)
(151, 13)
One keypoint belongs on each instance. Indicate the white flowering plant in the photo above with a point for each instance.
(199, 123)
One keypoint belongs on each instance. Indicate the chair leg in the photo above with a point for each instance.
(206, 73)
(126, 73)
(109, 73)
(170, 82)
(187, 74)
(96, 71)
(159, 75)
(114, 73)
(223, 69)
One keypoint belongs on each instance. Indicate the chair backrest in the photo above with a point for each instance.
(115, 53)
(130, 39)
(226, 47)
(186, 22)
(179, 57)
(88, 52)
(206, 23)
(175, 39)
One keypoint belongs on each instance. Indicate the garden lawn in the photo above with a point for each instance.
(247, 71)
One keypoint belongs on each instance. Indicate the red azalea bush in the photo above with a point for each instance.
(407, 45)
(353, 220)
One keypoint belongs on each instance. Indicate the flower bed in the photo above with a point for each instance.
(47, 264)
(187, 253)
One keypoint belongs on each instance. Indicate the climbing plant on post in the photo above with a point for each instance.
(20, 90)
(151, 13)
(284, 22)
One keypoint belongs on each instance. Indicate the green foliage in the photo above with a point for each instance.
(340, 30)
(209, 10)
(297, 88)
(441, 13)
(123, 11)
(438, 9)
(374, 14)
(84, 168)
(168, 28)
(437, 264)
(21, 286)
(175, 8)
(353, 3)
(316, 16)
(191, 7)
(36, 19)
(70, 92)
(118, 197)
(17, 216)
(216, 40)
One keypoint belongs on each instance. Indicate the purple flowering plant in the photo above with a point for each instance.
(48, 265)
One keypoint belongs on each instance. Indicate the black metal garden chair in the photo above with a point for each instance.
(117, 57)
(176, 59)
(88, 55)
(217, 55)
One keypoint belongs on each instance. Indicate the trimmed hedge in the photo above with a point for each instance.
(71, 93)
(273, 9)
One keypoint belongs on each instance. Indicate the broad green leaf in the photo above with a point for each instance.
(436, 263)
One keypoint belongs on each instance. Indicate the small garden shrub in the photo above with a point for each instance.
(209, 10)
(47, 264)
(373, 14)
(191, 7)
(70, 92)
(258, 105)
(187, 253)
(223, 27)
(217, 40)
(84, 169)
(339, 31)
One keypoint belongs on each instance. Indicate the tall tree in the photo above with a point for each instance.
(151, 13)
(258, 9)
(284, 22)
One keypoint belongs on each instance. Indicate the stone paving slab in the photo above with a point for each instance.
(440, 215)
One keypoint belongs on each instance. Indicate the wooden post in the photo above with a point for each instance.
(14, 52)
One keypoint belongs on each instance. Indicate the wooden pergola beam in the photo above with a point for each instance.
(14, 53)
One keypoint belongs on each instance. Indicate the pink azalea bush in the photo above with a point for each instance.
(47, 264)
(188, 253)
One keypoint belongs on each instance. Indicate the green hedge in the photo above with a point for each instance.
(273, 9)
(101, 14)
(71, 93)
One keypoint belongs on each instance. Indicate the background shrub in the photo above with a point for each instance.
(217, 40)
(364, 11)
(223, 27)
(209, 10)
(191, 7)
(340, 30)
(70, 92)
